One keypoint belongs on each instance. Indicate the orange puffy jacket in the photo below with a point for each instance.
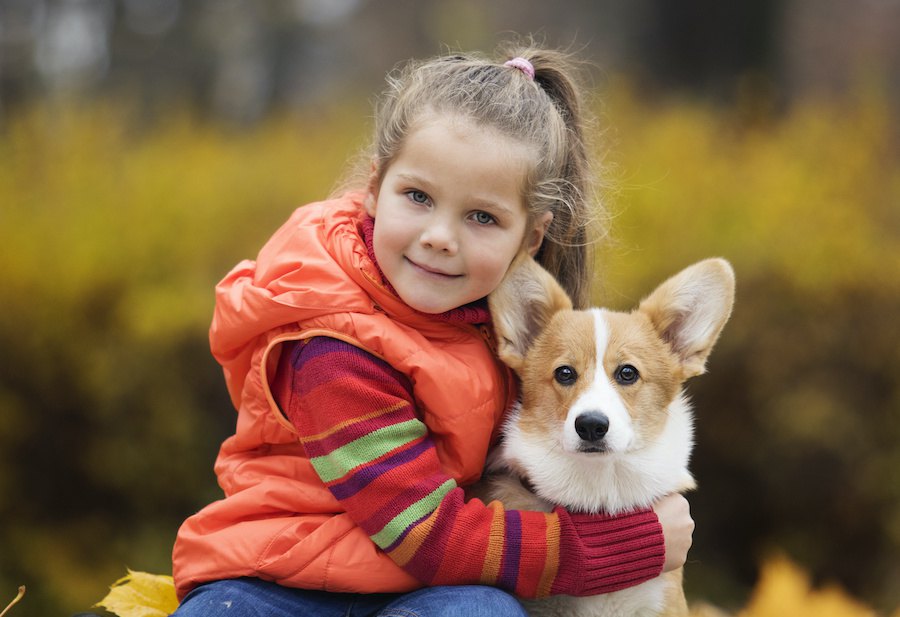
(278, 521)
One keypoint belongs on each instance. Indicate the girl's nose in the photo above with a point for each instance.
(440, 236)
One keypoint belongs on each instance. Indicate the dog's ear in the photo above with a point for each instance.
(690, 309)
(521, 307)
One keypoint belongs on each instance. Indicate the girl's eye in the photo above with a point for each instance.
(483, 218)
(626, 375)
(418, 196)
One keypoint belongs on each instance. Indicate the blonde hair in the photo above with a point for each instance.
(547, 113)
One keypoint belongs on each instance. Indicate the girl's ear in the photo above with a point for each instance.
(534, 237)
(372, 187)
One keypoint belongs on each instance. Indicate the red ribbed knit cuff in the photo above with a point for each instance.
(600, 554)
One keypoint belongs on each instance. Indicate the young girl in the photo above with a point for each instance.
(357, 350)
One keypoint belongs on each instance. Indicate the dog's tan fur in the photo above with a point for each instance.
(667, 339)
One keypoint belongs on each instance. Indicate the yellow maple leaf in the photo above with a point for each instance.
(139, 594)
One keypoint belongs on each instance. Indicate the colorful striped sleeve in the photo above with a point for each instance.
(357, 421)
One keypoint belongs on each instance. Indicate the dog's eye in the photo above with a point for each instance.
(565, 375)
(626, 375)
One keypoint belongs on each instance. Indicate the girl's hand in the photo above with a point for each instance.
(674, 515)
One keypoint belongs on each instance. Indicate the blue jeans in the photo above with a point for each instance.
(251, 597)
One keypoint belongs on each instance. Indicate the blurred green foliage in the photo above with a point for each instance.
(113, 234)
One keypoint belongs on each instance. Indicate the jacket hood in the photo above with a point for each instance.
(292, 281)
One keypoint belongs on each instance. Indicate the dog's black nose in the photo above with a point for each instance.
(592, 426)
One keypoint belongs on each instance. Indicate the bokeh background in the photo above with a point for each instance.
(148, 145)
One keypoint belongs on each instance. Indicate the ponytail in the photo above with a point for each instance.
(566, 252)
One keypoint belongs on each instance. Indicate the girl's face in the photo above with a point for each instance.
(451, 215)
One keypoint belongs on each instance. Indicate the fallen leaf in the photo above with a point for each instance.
(139, 594)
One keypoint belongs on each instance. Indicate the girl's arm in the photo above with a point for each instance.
(357, 421)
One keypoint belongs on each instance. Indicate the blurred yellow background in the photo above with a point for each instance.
(137, 166)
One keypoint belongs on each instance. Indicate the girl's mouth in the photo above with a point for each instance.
(431, 271)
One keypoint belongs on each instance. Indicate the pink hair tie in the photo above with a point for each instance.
(522, 64)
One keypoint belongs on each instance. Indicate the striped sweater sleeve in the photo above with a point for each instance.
(357, 422)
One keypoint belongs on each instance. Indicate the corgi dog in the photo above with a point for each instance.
(603, 424)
